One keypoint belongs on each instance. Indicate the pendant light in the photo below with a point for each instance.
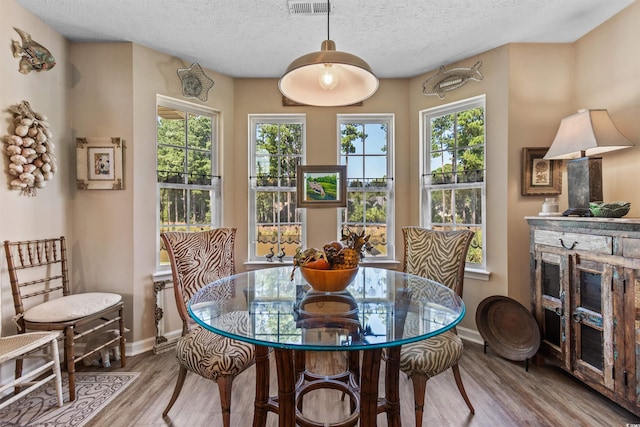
(328, 78)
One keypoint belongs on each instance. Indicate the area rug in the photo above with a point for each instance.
(94, 390)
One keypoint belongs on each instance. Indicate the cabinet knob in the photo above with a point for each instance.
(577, 317)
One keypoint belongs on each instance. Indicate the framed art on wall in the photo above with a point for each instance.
(99, 163)
(321, 186)
(540, 177)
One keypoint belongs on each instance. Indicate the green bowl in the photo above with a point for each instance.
(609, 210)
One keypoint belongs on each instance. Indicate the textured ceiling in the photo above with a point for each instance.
(259, 38)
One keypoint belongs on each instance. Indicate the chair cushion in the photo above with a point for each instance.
(71, 307)
(211, 355)
(432, 355)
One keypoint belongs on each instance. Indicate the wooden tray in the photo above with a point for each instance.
(508, 327)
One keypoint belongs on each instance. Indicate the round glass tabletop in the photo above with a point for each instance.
(380, 308)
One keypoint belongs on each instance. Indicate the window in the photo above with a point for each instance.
(188, 185)
(453, 184)
(276, 148)
(366, 148)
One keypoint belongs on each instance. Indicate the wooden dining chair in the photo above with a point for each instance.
(198, 259)
(43, 301)
(439, 255)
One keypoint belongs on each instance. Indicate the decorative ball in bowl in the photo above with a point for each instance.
(329, 280)
(610, 209)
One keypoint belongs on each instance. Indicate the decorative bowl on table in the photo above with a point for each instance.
(328, 280)
(610, 209)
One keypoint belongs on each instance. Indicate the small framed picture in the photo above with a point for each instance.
(321, 186)
(99, 163)
(540, 177)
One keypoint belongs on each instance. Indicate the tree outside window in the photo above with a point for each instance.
(454, 171)
(188, 186)
(276, 226)
(366, 148)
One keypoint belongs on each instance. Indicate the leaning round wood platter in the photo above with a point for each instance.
(508, 327)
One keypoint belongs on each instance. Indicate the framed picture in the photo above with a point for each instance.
(540, 177)
(99, 163)
(321, 186)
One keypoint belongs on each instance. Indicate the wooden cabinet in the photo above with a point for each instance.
(585, 293)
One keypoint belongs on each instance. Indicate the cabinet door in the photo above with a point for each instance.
(592, 321)
(551, 306)
(631, 374)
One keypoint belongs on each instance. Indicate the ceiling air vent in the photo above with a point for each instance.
(305, 7)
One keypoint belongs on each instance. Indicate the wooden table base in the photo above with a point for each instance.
(360, 384)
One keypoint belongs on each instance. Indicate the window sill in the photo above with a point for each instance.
(477, 274)
(382, 263)
(469, 273)
(162, 275)
(256, 265)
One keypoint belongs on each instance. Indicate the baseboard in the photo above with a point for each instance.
(149, 344)
(470, 335)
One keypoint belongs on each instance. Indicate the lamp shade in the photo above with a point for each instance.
(311, 79)
(586, 133)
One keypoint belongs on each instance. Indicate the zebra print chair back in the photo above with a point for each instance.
(437, 254)
(198, 259)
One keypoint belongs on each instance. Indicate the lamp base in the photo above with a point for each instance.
(577, 212)
(584, 176)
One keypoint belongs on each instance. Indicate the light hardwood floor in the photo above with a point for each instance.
(502, 392)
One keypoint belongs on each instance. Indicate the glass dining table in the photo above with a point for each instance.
(379, 311)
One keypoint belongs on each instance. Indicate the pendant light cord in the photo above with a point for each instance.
(328, 10)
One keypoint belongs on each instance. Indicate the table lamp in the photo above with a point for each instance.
(581, 136)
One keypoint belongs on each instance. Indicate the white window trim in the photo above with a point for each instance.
(473, 271)
(390, 119)
(216, 207)
(253, 262)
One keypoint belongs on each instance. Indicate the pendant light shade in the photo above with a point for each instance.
(328, 78)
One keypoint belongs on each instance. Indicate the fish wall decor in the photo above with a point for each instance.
(445, 81)
(33, 56)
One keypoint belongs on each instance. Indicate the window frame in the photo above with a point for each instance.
(425, 117)
(373, 119)
(253, 120)
(214, 186)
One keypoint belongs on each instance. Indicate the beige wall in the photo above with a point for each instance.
(118, 98)
(539, 96)
(261, 96)
(101, 106)
(495, 69)
(49, 214)
(607, 75)
(528, 87)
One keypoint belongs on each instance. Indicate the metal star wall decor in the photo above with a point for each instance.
(195, 83)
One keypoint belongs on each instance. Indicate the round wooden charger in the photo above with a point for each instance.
(508, 327)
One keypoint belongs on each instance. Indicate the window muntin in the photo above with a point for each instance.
(275, 225)
(186, 159)
(454, 184)
(366, 148)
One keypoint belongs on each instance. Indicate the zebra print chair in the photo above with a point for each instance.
(437, 255)
(198, 259)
